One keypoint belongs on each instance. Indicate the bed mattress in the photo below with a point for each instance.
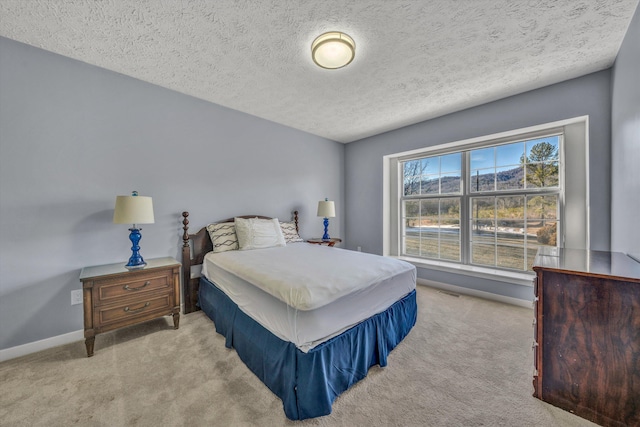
(373, 284)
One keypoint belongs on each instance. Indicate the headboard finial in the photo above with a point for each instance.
(185, 227)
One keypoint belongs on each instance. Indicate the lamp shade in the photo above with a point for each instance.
(133, 210)
(326, 209)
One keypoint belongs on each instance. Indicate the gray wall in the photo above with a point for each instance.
(73, 136)
(625, 150)
(588, 95)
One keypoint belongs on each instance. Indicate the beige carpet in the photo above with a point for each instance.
(468, 362)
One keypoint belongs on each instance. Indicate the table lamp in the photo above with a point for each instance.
(134, 210)
(326, 209)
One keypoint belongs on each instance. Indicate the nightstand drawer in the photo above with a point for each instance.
(140, 308)
(107, 291)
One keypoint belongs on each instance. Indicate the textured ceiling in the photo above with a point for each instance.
(415, 60)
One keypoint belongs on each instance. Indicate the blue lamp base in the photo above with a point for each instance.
(135, 262)
(326, 237)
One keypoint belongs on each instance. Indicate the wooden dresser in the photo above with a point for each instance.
(587, 334)
(115, 297)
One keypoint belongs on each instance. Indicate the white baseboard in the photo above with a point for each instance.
(474, 293)
(32, 347)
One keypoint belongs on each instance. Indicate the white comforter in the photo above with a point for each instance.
(307, 276)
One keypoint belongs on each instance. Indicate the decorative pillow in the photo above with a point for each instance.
(255, 233)
(289, 232)
(223, 236)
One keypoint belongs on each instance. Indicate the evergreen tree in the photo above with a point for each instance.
(541, 165)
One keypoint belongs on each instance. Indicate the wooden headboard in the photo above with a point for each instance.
(194, 248)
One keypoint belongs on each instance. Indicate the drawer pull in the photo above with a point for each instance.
(127, 288)
(128, 310)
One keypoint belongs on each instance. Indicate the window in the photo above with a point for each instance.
(481, 207)
(492, 205)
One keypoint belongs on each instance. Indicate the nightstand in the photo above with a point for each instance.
(330, 242)
(114, 297)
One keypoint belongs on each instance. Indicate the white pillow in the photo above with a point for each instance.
(255, 233)
(289, 232)
(223, 236)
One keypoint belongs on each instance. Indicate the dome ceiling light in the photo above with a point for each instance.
(333, 50)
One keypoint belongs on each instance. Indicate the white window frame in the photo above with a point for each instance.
(574, 203)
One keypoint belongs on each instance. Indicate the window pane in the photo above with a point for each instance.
(542, 207)
(431, 165)
(431, 210)
(450, 232)
(545, 232)
(482, 180)
(411, 185)
(413, 168)
(510, 207)
(429, 248)
(450, 211)
(510, 257)
(542, 150)
(450, 229)
(510, 232)
(412, 244)
(510, 178)
(429, 221)
(482, 231)
(430, 184)
(411, 177)
(450, 183)
(483, 219)
(451, 163)
(411, 208)
(542, 162)
(429, 231)
(483, 208)
(483, 158)
(411, 225)
(510, 154)
(411, 231)
(483, 254)
(450, 250)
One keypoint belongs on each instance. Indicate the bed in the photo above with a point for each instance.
(308, 320)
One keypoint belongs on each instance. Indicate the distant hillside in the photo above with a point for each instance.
(450, 184)
(511, 178)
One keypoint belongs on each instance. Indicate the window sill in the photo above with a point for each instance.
(513, 277)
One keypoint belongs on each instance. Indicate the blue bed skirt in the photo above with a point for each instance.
(308, 383)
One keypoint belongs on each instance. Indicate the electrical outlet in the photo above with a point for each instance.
(76, 297)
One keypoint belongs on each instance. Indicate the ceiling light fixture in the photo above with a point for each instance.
(333, 50)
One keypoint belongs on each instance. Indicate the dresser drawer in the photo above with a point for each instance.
(133, 311)
(109, 291)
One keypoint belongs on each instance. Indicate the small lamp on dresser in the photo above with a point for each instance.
(326, 210)
(134, 210)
